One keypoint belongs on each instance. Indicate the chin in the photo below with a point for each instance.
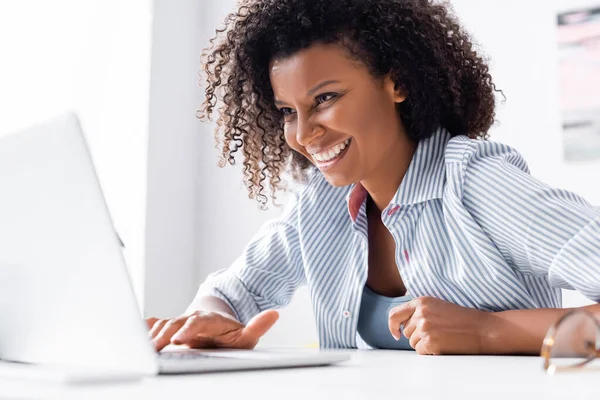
(338, 181)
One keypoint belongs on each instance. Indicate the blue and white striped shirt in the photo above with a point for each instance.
(471, 227)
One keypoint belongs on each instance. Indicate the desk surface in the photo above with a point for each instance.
(369, 375)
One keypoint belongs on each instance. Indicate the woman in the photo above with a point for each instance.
(411, 230)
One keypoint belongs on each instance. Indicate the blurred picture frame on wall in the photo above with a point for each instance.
(579, 83)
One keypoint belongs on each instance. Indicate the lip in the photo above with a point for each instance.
(324, 166)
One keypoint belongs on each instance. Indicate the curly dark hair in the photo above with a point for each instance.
(418, 42)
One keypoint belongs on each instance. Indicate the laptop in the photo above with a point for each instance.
(68, 310)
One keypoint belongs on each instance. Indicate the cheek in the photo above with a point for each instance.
(371, 116)
(338, 120)
(356, 117)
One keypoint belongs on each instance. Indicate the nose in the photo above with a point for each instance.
(307, 130)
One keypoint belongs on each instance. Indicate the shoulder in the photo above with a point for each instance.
(473, 162)
(474, 153)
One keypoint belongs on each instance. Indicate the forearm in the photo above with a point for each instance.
(521, 331)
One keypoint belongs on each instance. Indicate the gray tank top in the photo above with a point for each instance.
(373, 320)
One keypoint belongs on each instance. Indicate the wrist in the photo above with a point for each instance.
(517, 331)
(486, 333)
(209, 304)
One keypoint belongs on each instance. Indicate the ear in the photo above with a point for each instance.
(396, 93)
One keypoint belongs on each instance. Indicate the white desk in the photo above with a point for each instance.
(369, 375)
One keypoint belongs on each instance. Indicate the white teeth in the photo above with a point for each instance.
(331, 153)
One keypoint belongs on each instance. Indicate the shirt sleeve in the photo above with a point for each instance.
(267, 273)
(540, 230)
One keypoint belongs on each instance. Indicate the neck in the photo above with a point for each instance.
(383, 183)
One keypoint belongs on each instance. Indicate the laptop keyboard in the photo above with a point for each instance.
(183, 355)
(237, 354)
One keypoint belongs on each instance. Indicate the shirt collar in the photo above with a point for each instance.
(424, 179)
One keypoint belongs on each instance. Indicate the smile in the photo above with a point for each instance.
(331, 153)
(328, 158)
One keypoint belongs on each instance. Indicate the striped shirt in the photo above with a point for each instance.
(471, 227)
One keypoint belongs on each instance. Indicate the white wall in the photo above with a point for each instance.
(172, 152)
(90, 56)
(176, 146)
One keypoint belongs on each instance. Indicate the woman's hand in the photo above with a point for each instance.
(434, 326)
(202, 329)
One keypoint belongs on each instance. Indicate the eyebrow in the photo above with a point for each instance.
(314, 89)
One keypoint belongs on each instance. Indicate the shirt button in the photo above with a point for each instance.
(393, 210)
(347, 314)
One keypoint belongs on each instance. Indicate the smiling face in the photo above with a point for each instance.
(338, 116)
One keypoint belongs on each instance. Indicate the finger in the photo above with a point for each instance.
(157, 327)
(150, 322)
(207, 325)
(248, 338)
(260, 324)
(169, 329)
(409, 327)
(398, 316)
(414, 340)
(394, 330)
(422, 348)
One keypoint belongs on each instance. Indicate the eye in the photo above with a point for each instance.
(320, 99)
(286, 111)
(325, 97)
